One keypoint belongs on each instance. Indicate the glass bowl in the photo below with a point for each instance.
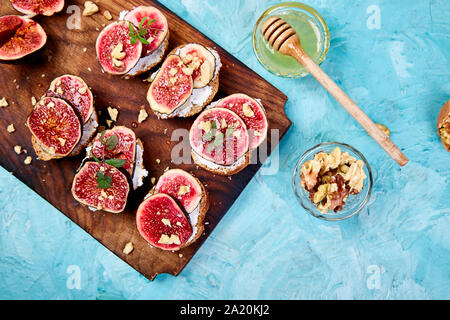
(354, 203)
(313, 32)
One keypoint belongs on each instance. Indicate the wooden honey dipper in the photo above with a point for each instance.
(284, 39)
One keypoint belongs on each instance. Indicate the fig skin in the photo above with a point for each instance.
(136, 15)
(62, 124)
(151, 226)
(443, 116)
(33, 7)
(257, 123)
(28, 38)
(162, 87)
(107, 41)
(81, 189)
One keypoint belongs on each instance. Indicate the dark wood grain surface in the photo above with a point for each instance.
(64, 54)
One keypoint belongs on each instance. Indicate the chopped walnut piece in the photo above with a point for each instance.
(173, 239)
(18, 149)
(113, 113)
(33, 101)
(11, 128)
(248, 112)
(28, 160)
(118, 53)
(3, 103)
(90, 8)
(205, 126)
(107, 15)
(166, 222)
(128, 248)
(143, 115)
(183, 190)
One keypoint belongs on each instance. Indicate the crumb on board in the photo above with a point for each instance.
(34, 101)
(113, 113)
(128, 248)
(158, 161)
(11, 128)
(27, 161)
(18, 149)
(153, 180)
(3, 103)
(143, 115)
(107, 15)
(90, 8)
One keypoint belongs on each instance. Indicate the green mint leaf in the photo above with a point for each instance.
(117, 163)
(210, 147)
(132, 35)
(208, 136)
(150, 22)
(142, 32)
(111, 142)
(96, 159)
(218, 141)
(142, 22)
(141, 39)
(213, 125)
(103, 181)
(102, 137)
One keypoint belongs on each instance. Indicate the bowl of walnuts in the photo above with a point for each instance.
(332, 181)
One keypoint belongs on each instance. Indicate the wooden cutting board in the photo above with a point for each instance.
(63, 54)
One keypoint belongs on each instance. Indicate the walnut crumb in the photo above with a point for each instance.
(113, 113)
(153, 180)
(3, 103)
(158, 161)
(107, 15)
(18, 149)
(27, 161)
(143, 115)
(33, 101)
(128, 248)
(90, 8)
(11, 128)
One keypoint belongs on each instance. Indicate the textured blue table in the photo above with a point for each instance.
(267, 246)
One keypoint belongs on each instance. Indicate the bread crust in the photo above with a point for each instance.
(223, 170)
(214, 84)
(150, 67)
(442, 117)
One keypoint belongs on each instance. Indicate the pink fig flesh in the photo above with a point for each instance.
(156, 31)
(171, 86)
(125, 148)
(115, 38)
(219, 135)
(34, 7)
(202, 62)
(182, 186)
(86, 190)
(76, 92)
(252, 113)
(162, 223)
(55, 125)
(26, 39)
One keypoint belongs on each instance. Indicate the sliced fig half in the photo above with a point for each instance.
(162, 223)
(219, 135)
(154, 22)
(55, 126)
(115, 52)
(124, 149)
(19, 37)
(171, 86)
(86, 189)
(182, 186)
(201, 61)
(74, 90)
(252, 113)
(34, 7)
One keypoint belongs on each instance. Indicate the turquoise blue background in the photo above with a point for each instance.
(267, 247)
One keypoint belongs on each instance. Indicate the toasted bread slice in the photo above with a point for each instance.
(233, 169)
(191, 107)
(147, 63)
(89, 129)
(197, 216)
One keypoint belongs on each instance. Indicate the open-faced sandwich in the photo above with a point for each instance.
(224, 135)
(64, 121)
(114, 165)
(172, 216)
(121, 143)
(187, 81)
(135, 44)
